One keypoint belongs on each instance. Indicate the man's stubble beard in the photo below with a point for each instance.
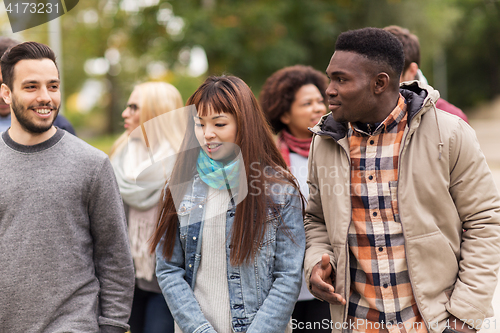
(25, 122)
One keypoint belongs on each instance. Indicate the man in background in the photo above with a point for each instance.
(411, 69)
(61, 122)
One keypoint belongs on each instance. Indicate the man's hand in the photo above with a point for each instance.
(322, 284)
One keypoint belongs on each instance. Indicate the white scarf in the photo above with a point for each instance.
(141, 178)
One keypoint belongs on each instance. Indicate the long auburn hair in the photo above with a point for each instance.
(228, 94)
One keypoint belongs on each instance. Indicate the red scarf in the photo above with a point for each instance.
(288, 143)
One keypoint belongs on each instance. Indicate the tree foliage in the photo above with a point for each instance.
(252, 39)
(474, 54)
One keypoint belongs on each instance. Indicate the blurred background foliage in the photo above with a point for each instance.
(108, 46)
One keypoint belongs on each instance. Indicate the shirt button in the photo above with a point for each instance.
(386, 285)
(372, 142)
(194, 238)
(370, 177)
(190, 265)
(374, 213)
(381, 249)
(200, 206)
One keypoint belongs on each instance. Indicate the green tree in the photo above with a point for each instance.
(474, 54)
(250, 39)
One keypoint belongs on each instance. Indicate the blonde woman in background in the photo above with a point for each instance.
(143, 158)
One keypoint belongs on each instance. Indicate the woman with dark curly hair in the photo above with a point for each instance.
(293, 100)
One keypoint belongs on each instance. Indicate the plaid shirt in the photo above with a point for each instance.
(381, 297)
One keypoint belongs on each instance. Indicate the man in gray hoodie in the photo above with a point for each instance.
(65, 262)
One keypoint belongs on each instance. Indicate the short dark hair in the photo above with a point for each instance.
(375, 44)
(23, 51)
(6, 43)
(278, 92)
(411, 45)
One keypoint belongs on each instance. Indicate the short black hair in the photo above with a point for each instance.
(375, 44)
(23, 51)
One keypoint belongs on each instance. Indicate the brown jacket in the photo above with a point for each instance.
(445, 187)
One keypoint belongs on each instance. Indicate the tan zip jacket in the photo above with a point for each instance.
(445, 186)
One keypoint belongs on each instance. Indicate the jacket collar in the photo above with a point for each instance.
(416, 94)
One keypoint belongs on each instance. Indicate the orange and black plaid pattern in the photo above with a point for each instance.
(381, 297)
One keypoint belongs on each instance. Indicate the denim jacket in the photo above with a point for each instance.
(262, 293)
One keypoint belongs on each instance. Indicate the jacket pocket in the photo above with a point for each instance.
(185, 207)
(433, 270)
(183, 213)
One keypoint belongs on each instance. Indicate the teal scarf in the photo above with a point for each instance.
(217, 174)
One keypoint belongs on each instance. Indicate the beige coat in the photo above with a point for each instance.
(445, 186)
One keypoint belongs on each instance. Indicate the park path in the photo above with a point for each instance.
(486, 123)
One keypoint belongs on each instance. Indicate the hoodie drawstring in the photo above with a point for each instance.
(440, 144)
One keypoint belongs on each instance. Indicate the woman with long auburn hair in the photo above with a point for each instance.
(230, 238)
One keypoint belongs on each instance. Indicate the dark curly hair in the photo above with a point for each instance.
(376, 44)
(278, 92)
